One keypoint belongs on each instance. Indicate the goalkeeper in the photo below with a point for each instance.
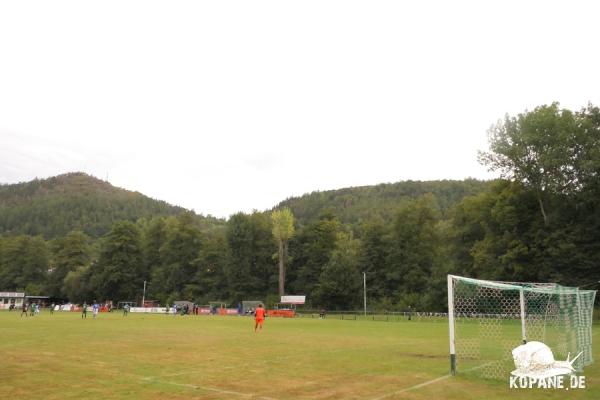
(259, 317)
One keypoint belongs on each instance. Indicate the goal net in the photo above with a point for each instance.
(488, 319)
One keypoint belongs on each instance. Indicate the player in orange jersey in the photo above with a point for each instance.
(259, 317)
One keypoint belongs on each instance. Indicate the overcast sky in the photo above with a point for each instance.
(228, 106)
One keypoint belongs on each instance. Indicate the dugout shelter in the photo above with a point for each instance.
(8, 298)
(185, 305)
(122, 304)
(287, 306)
(248, 306)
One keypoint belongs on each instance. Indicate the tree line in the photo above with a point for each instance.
(539, 222)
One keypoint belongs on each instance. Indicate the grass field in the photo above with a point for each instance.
(61, 356)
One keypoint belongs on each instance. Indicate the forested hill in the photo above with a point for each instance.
(355, 205)
(53, 207)
(541, 226)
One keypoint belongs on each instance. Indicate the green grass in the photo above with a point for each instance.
(61, 356)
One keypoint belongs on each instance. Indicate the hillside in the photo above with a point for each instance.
(357, 204)
(52, 207)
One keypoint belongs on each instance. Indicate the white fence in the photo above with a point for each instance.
(150, 310)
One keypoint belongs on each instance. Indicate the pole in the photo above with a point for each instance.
(365, 291)
(144, 295)
(523, 329)
(451, 325)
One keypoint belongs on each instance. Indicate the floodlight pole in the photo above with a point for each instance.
(365, 291)
(144, 295)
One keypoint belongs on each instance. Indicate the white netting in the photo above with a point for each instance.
(493, 318)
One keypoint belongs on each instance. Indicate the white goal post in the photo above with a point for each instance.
(488, 319)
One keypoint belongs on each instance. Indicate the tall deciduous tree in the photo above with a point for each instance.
(117, 274)
(23, 263)
(250, 266)
(76, 285)
(153, 238)
(311, 251)
(182, 243)
(373, 256)
(68, 253)
(414, 253)
(283, 230)
(339, 284)
(539, 149)
(210, 281)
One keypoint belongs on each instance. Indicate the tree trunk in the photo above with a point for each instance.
(281, 270)
(541, 202)
(285, 257)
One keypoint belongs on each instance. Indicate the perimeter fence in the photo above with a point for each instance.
(384, 316)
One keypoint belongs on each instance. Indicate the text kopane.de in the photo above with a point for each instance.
(553, 382)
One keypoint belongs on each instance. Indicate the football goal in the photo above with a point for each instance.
(488, 319)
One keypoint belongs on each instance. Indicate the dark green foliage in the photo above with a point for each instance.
(210, 281)
(77, 286)
(414, 252)
(23, 264)
(310, 251)
(373, 257)
(490, 229)
(118, 274)
(55, 206)
(340, 285)
(178, 255)
(153, 239)
(68, 253)
(539, 226)
(251, 268)
(358, 205)
(549, 150)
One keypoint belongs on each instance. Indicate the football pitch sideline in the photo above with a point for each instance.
(140, 356)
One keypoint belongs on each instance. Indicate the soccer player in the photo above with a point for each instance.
(24, 309)
(259, 317)
(52, 308)
(125, 310)
(95, 308)
(84, 311)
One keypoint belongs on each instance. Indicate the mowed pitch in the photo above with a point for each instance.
(61, 356)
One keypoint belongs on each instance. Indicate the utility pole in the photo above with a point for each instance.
(365, 291)
(144, 296)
